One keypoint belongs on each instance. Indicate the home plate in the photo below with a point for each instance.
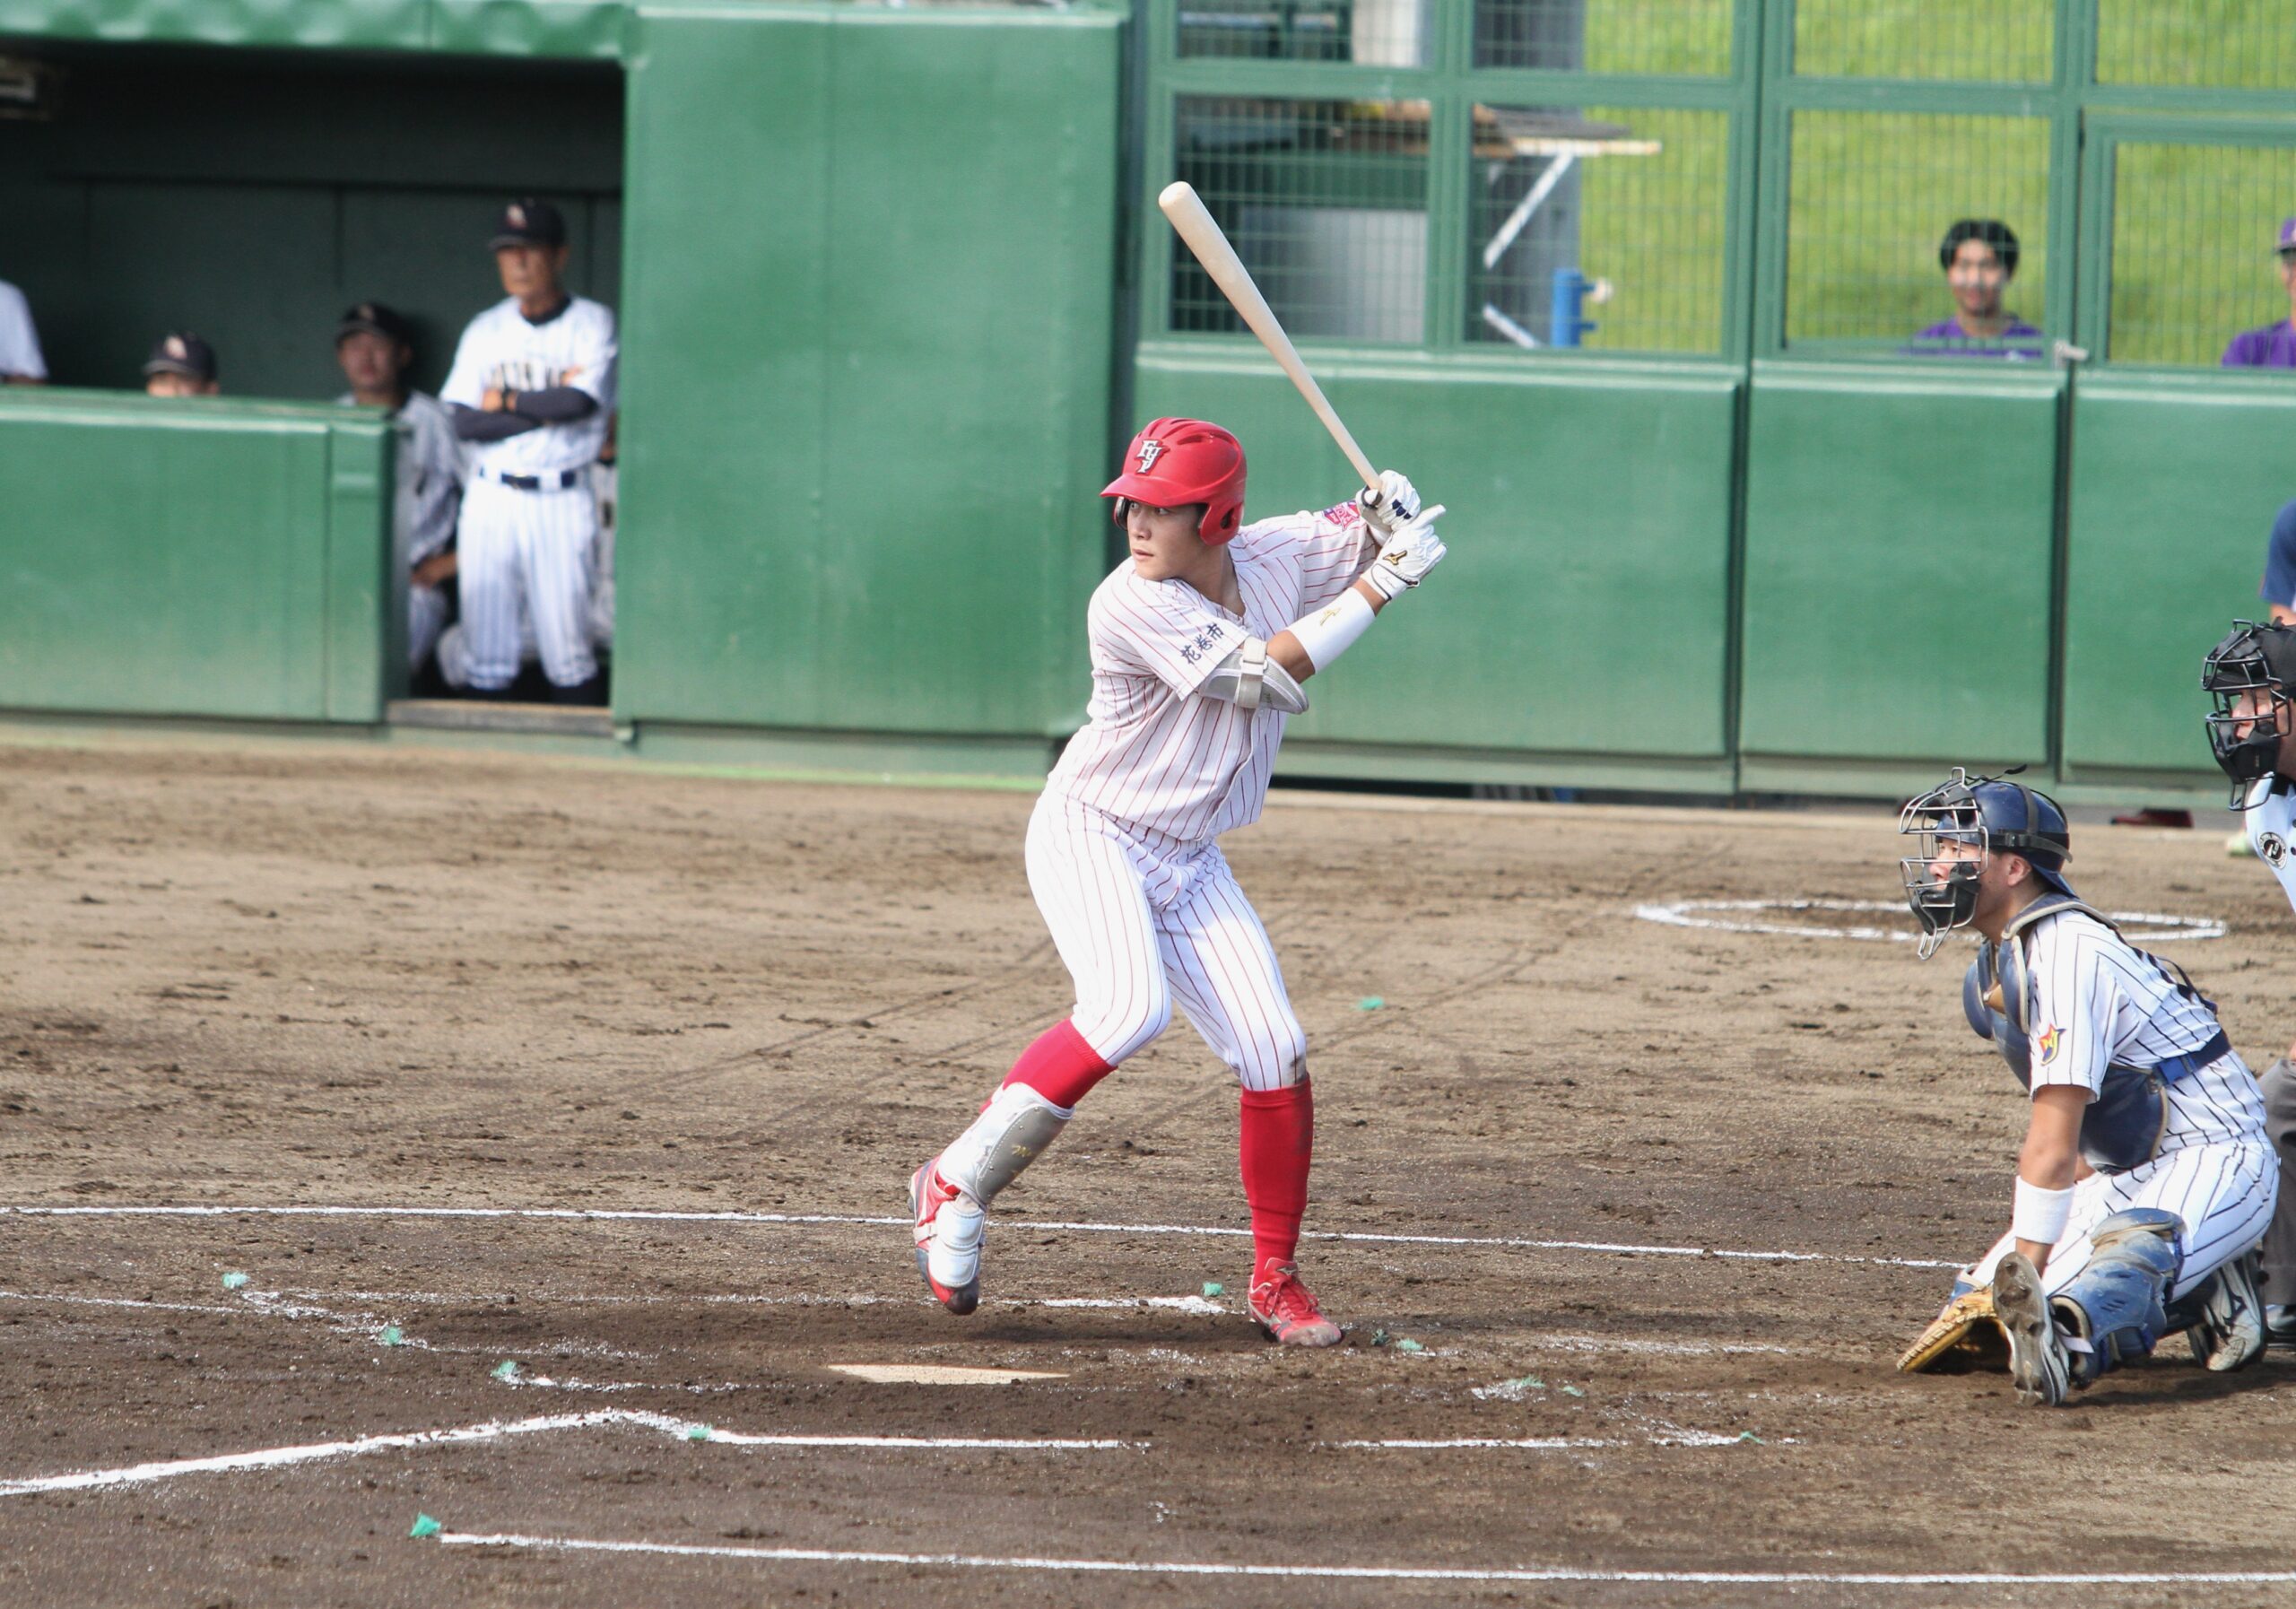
(940, 1374)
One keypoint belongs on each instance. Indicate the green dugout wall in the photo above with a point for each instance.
(892, 289)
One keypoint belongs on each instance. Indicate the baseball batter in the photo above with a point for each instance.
(532, 387)
(2251, 678)
(2145, 1181)
(1199, 641)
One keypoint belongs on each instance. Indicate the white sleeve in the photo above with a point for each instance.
(1151, 629)
(466, 384)
(1334, 546)
(598, 359)
(2072, 1002)
(19, 340)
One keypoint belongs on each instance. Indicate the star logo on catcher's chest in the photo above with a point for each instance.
(1150, 451)
(2274, 848)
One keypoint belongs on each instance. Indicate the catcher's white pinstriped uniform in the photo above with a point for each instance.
(2096, 1001)
(1121, 851)
(533, 542)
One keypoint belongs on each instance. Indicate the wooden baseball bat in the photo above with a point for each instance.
(1196, 226)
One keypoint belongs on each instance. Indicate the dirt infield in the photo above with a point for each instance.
(470, 999)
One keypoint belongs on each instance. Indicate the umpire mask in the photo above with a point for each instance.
(2247, 677)
(1982, 813)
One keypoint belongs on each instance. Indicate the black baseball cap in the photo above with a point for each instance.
(529, 221)
(374, 318)
(181, 353)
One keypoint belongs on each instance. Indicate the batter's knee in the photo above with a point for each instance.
(1280, 1062)
(1118, 1026)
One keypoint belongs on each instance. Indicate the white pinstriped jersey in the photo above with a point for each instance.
(2270, 824)
(2095, 1001)
(501, 350)
(1156, 753)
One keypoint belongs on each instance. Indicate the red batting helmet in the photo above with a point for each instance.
(1175, 462)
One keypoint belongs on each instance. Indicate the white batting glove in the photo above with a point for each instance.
(1392, 502)
(1410, 553)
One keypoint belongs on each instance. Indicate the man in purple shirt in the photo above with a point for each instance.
(1979, 257)
(2274, 345)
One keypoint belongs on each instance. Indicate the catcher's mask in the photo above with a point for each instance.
(1986, 813)
(2247, 675)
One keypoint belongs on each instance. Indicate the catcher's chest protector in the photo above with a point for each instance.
(2123, 1126)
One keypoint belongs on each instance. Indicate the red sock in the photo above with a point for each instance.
(1279, 1141)
(1059, 1066)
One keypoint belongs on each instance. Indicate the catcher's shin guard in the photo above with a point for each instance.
(951, 1193)
(2224, 1318)
(2037, 1365)
(2113, 1305)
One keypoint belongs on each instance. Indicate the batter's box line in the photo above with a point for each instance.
(697, 1430)
(1374, 1572)
(833, 1220)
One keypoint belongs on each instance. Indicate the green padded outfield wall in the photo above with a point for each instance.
(207, 557)
(2176, 480)
(1899, 571)
(1582, 618)
(868, 359)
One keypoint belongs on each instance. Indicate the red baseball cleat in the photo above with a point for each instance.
(948, 1231)
(1285, 1310)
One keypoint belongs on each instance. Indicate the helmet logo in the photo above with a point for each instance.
(1150, 451)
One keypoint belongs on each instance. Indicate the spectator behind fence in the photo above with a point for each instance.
(180, 365)
(2274, 345)
(21, 363)
(375, 346)
(1979, 257)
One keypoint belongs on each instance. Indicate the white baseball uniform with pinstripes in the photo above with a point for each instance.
(1121, 849)
(513, 543)
(2097, 1001)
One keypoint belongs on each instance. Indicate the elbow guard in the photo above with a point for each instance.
(1248, 678)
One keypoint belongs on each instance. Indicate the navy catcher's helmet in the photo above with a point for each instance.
(1987, 814)
(2250, 676)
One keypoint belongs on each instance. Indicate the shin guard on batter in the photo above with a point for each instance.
(950, 1193)
(1278, 1144)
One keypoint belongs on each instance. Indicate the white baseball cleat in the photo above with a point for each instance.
(949, 1228)
(2037, 1361)
(2231, 1334)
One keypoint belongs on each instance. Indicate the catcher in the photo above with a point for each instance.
(2146, 1182)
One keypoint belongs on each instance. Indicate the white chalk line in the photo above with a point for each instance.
(693, 1430)
(642, 1216)
(2153, 927)
(1378, 1572)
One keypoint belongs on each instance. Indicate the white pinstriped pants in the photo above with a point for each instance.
(536, 545)
(2224, 1194)
(1142, 921)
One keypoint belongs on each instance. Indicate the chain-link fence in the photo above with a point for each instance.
(1874, 179)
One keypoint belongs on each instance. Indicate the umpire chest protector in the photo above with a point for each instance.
(2123, 1126)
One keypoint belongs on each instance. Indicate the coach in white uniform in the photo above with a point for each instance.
(375, 345)
(21, 363)
(530, 389)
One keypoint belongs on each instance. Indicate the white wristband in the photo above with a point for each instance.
(2040, 1214)
(1332, 629)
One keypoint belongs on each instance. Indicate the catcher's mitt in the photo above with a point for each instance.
(1965, 1335)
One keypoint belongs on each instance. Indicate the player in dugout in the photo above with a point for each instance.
(1979, 257)
(181, 365)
